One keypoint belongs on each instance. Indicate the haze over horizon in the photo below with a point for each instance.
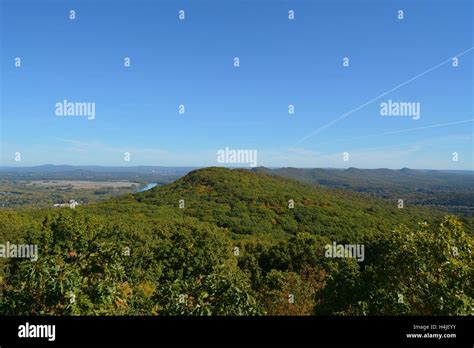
(216, 166)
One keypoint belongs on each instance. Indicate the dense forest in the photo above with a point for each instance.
(236, 242)
(450, 191)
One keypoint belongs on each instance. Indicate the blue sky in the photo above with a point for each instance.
(282, 62)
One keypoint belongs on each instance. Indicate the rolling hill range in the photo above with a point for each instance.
(245, 203)
(450, 191)
(381, 180)
(233, 242)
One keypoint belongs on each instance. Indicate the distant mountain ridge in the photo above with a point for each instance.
(368, 179)
(54, 168)
(145, 174)
(452, 191)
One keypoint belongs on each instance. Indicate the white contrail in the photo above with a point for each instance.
(403, 130)
(343, 116)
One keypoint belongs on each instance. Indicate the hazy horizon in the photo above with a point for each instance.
(221, 166)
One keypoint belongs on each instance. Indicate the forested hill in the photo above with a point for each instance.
(451, 191)
(379, 180)
(227, 242)
(247, 203)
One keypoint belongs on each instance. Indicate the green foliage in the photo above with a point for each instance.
(250, 204)
(221, 293)
(450, 192)
(183, 261)
(76, 273)
(426, 271)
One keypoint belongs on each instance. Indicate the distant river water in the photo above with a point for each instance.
(148, 187)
